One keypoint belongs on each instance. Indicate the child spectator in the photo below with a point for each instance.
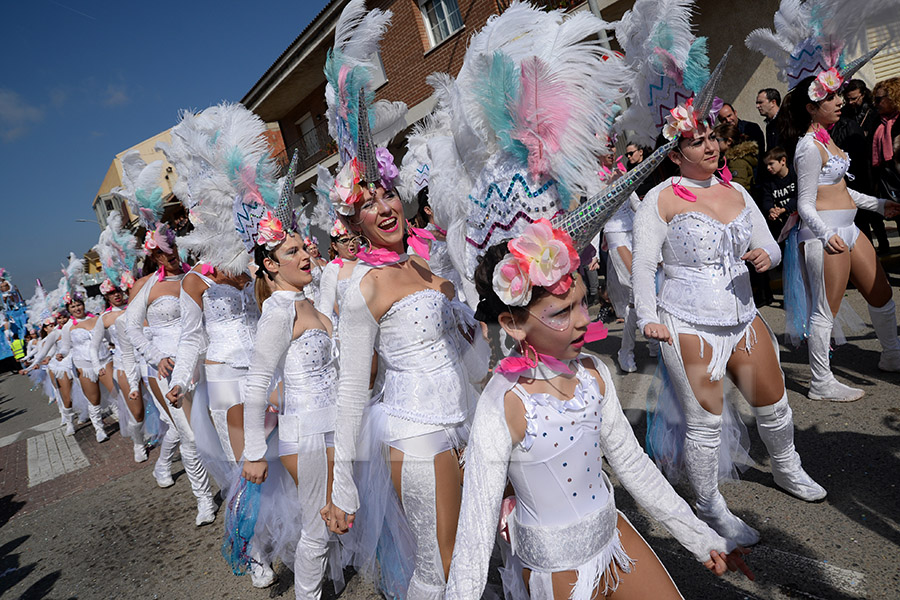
(779, 190)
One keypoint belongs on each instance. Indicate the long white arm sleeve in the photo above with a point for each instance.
(134, 328)
(357, 330)
(65, 339)
(808, 165)
(328, 290)
(867, 202)
(191, 341)
(273, 338)
(761, 236)
(47, 345)
(645, 482)
(648, 237)
(125, 349)
(487, 461)
(97, 335)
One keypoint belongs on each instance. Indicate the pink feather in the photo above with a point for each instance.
(541, 114)
(670, 65)
(248, 178)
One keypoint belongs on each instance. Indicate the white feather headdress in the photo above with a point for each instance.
(517, 135)
(38, 307)
(356, 122)
(72, 281)
(222, 157)
(812, 36)
(119, 252)
(141, 188)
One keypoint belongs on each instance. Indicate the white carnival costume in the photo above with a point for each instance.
(163, 316)
(306, 366)
(698, 253)
(119, 252)
(426, 398)
(810, 40)
(515, 144)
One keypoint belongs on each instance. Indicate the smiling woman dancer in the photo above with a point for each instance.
(394, 305)
(833, 251)
(155, 298)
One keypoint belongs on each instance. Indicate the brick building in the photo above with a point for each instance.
(425, 36)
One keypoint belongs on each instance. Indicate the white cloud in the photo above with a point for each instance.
(16, 115)
(116, 95)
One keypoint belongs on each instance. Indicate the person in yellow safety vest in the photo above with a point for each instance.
(18, 348)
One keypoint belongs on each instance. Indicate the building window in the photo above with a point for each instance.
(441, 19)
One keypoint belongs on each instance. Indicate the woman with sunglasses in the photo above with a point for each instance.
(336, 274)
(832, 249)
(705, 229)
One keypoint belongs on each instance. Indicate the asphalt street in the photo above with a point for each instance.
(107, 531)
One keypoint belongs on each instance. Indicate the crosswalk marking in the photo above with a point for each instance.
(53, 454)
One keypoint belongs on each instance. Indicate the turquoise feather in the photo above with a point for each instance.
(497, 93)
(696, 69)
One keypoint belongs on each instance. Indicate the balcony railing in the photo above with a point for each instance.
(313, 147)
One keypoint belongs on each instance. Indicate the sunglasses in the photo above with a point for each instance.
(630, 153)
(344, 240)
(878, 99)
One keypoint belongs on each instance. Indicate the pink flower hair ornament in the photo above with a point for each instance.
(107, 287)
(159, 238)
(541, 256)
(127, 281)
(826, 82)
(349, 183)
(338, 230)
(270, 232)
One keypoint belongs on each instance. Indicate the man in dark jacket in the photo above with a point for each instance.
(858, 104)
(768, 101)
(747, 128)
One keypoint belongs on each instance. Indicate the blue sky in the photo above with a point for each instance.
(84, 80)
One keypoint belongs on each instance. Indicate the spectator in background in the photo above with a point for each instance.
(850, 138)
(747, 128)
(886, 100)
(635, 155)
(768, 101)
(740, 154)
(779, 191)
(858, 104)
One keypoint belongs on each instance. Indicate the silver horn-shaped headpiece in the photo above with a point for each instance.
(365, 147)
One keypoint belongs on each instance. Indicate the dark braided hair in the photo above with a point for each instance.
(262, 289)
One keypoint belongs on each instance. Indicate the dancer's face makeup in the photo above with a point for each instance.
(290, 264)
(379, 217)
(554, 325)
(76, 309)
(116, 298)
(697, 157)
(828, 111)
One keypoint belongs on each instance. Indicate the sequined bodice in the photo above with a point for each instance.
(417, 345)
(310, 375)
(81, 345)
(706, 282)
(164, 320)
(230, 316)
(557, 468)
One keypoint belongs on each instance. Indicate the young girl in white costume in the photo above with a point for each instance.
(808, 47)
(118, 251)
(546, 420)
(155, 299)
(422, 335)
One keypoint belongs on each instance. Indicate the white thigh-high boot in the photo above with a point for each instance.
(626, 351)
(137, 438)
(775, 424)
(884, 320)
(162, 470)
(97, 422)
(63, 420)
(309, 559)
(419, 504)
(701, 456)
(822, 385)
(196, 472)
(68, 418)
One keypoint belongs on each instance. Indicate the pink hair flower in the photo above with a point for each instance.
(270, 231)
(826, 82)
(549, 254)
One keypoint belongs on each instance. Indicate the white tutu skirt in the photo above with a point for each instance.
(62, 368)
(381, 545)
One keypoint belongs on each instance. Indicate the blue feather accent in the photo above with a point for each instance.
(240, 523)
(696, 69)
(151, 201)
(497, 94)
(357, 78)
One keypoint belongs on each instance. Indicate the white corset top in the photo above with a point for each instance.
(440, 264)
(835, 168)
(706, 282)
(230, 316)
(310, 376)
(417, 344)
(164, 319)
(556, 469)
(81, 345)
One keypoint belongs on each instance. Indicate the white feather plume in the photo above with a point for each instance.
(94, 305)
